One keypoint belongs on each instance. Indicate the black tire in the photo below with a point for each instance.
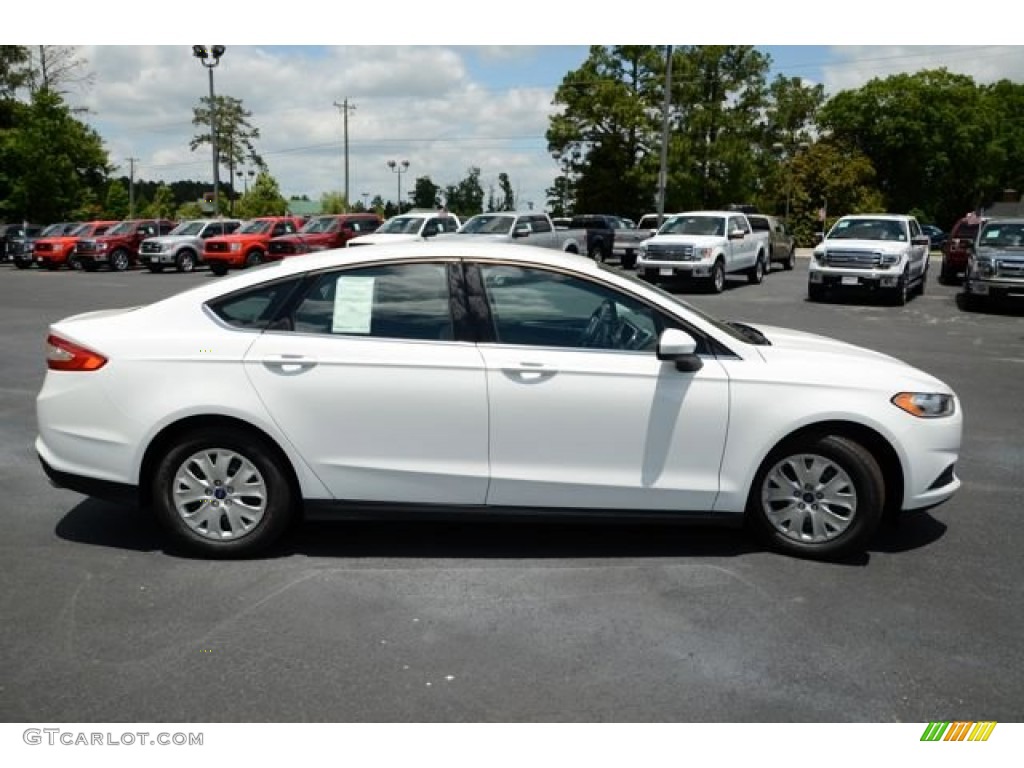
(224, 518)
(922, 286)
(254, 258)
(790, 262)
(628, 260)
(971, 302)
(75, 263)
(186, 261)
(120, 260)
(218, 269)
(716, 283)
(650, 275)
(815, 292)
(755, 275)
(155, 268)
(818, 497)
(22, 264)
(86, 266)
(901, 293)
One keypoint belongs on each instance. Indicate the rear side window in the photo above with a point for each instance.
(254, 308)
(393, 301)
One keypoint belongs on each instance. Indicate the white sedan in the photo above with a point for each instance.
(460, 377)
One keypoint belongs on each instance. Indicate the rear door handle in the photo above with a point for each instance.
(528, 372)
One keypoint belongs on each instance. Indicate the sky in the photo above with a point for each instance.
(448, 96)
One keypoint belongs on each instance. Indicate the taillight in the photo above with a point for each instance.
(63, 355)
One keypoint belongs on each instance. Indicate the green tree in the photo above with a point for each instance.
(48, 161)
(235, 134)
(14, 70)
(162, 205)
(264, 198)
(507, 201)
(466, 198)
(116, 205)
(607, 134)
(333, 202)
(425, 193)
(930, 137)
(1004, 102)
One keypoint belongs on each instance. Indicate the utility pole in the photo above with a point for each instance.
(663, 168)
(131, 186)
(345, 107)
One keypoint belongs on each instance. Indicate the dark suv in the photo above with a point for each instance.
(13, 236)
(600, 233)
(957, 249)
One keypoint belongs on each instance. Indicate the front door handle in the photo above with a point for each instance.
(289, 365)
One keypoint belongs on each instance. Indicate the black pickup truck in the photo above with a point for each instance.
(600, 234)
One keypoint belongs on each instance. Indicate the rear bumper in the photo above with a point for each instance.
(119, 493)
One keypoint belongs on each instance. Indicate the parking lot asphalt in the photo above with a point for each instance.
(358, 622)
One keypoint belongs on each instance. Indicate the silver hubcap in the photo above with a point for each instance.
(808, 498)
(219, 494)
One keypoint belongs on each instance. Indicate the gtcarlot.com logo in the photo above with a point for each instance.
(958, 731)
(57, 736)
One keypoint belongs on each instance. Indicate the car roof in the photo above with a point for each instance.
(890, 216)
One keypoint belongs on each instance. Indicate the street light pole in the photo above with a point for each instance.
(399, 168)
(209, 57)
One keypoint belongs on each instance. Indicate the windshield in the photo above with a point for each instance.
(188, 228)
(868, 229)
(401, 225)
(256, 227)
(55, 230)
(693, 225)
(733, 331)
(1002, 235)
(489, 224)
(320, 225)
(124, 228)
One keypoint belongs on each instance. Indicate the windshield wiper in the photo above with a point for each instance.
(750, 333)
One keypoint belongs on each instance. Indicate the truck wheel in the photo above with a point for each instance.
(254, 258)
(186, 261)
(717, 280)
(901, 292)
(650, 276)
(628, 260)
(756, 273)
(22, 264)
(218, 269)
(119, 260)
(74, 263)
(790, 261)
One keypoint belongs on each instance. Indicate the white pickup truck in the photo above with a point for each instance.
(525, 227)
(704, 245)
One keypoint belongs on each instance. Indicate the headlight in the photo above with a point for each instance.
(702, 253)
(984, 268)
(888, 259)
(819, 256)
(236, 246)
(925, 405)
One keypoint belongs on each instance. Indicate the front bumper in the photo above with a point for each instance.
(855, 280)
(996, 289)
(665, 268)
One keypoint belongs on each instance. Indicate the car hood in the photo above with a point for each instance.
(171, 239)
(1001, 253)
(842, 362)
(881, 246)
(697, 240)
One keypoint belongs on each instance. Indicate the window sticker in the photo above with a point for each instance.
(353, 304)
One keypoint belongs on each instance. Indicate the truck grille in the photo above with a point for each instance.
(670, 253)
(85, 246)
(1011, 269)
(853, 259)
(148, 247)
(216, 247)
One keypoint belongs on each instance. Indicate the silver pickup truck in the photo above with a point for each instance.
(526, 227)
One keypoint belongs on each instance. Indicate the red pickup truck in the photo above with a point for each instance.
(118, 248)
(56, 252)
(248, 245)
(322, 233)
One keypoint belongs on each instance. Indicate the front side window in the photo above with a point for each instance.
(396, 301)
(551, 309)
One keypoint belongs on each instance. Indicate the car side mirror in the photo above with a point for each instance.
(521, 230)
(922, 240)
(679, 347)
(819, 236)
(736, 234)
